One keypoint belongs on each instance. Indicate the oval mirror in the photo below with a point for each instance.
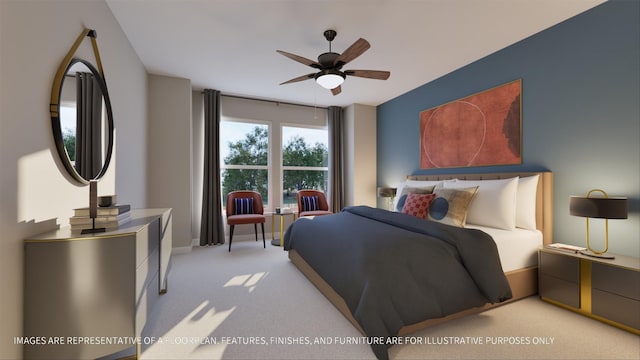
(83, 127)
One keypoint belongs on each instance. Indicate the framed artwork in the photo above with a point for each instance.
(479, 130)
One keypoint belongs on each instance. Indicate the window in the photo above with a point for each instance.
(244, 158)
(274, 149)
(305, 153)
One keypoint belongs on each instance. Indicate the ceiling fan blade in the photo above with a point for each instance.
(337, 90)
(300, 78)
(369, 74)
(356, 49)
(300, 59)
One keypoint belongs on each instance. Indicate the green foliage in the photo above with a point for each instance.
(298, 153)
(252, 150)
(245, 179)
(69, 139)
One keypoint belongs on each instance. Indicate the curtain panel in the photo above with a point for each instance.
(336, 158)
(212, 225)
(88, 161)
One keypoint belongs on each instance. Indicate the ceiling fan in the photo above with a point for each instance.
(330, 75)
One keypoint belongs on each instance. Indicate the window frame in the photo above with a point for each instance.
(267, 167)
(275, 115)
(284, 168)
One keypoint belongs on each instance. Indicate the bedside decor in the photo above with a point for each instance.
(604, 207)
(389, 193)
(481, 129)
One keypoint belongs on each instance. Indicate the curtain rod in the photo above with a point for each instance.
(273, 101)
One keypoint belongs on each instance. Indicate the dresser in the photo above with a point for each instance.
(604, 289)
(89, 296)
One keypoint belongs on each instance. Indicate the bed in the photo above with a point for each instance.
(331, 251)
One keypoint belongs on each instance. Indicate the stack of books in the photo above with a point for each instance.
(108, 217)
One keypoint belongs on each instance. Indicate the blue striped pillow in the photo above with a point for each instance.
(244, 206)
(310, 203)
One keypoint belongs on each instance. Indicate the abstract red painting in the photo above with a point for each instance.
(479, 130)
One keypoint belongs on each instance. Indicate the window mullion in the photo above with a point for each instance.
(305, 168)
(247, 167)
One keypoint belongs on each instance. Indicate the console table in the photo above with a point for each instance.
(93, 293)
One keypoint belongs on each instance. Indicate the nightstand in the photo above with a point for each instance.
(606, 290)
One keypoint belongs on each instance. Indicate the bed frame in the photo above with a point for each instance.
(523, 282)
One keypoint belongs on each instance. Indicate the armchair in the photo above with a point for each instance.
(312, 203)
(245, 207)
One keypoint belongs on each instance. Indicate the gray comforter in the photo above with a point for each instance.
(394, 270)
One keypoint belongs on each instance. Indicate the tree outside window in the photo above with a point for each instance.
(245, 158)
(68, 125)
(305, 158)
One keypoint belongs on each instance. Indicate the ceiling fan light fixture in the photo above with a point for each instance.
(330, 79)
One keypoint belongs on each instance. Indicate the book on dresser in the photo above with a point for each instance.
(109, 217)
(116, 209)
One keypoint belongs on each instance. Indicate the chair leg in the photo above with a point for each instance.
(230, 236)
(264, 243)
(255, 229)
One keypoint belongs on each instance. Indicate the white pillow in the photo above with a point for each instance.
(413, 184)
(494, 204)
(526, 202)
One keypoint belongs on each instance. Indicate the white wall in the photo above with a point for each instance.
(360, 148)
(169, 152)
(35, 193)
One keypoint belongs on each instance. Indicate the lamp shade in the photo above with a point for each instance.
(386, 192)
(598, 207)
(330, 79)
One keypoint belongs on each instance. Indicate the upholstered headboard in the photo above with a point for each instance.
(544, 195)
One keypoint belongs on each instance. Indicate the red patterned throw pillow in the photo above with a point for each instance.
(418, 204)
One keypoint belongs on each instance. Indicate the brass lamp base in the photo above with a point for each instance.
(597, 255)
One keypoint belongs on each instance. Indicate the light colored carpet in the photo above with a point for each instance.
(253, 303)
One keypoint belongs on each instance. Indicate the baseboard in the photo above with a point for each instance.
(238, 237)
(181, 250)
(249, 237)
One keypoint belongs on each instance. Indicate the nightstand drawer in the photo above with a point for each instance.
(560, 290)
(616, 280)
(617, 308)
(560, 266)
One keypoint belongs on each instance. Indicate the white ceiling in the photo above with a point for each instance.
(230, 45)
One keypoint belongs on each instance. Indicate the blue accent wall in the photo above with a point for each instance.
(580, 115)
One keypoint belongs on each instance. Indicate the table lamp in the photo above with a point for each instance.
(602, 207)
(389, 193)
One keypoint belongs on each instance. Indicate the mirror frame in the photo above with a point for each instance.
(54, 106)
